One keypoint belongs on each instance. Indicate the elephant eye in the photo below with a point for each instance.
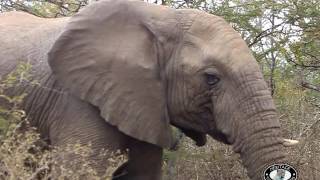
(212, 79)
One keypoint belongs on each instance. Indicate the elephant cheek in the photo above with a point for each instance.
(222, 126)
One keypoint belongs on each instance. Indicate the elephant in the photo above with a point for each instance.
(120, 73)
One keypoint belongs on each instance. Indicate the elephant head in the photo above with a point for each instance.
(147, 66)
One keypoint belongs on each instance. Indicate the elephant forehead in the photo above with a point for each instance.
(213, 35)
(221, 47)
(191, 56)
(198, 53)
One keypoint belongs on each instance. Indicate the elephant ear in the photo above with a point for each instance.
(109, 55)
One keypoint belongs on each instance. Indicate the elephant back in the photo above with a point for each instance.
(25, 38)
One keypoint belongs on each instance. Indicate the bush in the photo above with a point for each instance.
(23, 155)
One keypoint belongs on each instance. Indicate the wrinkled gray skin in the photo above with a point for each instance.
(120, 72)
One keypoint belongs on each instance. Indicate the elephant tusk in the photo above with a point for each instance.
(290, 142)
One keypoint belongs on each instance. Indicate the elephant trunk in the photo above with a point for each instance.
(261, 145)
(257, 136)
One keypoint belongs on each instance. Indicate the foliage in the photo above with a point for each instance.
(10, 113)
(21, 157)
(44, 8)
(213, 161)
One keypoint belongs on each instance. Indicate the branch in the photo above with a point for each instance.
(289, 59)
(312, 56)
(38, 171)
(262, 33)
(260, 36)
(310, 86)
(265, 33)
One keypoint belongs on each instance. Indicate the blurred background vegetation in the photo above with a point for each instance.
(284, 36)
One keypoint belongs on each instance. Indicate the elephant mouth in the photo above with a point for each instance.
(198, 137)
(219, 136)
